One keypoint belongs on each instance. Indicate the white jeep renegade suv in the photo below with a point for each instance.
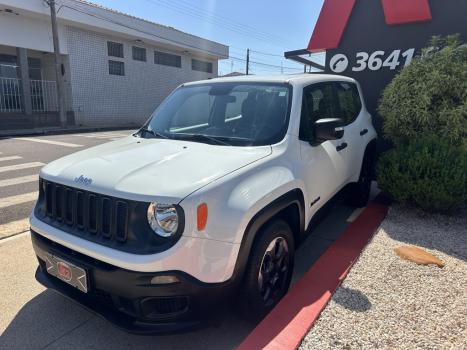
(206, 203)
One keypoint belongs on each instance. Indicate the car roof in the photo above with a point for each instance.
(294, 79)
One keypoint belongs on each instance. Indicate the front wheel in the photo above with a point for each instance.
(269, 270)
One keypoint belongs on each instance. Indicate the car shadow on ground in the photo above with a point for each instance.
(51, 321)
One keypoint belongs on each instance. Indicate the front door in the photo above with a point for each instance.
(323, 165)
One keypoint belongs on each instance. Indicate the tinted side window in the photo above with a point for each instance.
(318, 103)
(348, 100)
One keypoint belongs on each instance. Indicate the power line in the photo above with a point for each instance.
(254, 56)
(224, 20)
(212, 13)
(263, 60)
(138, 30)
(263, 64)
(175, 41)
(219, 21)
(259, 52)
(267, 53)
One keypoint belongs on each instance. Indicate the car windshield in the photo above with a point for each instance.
(241, 114)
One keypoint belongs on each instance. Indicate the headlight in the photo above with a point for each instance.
(163, 219)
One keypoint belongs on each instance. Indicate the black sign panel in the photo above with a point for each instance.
(372, 51)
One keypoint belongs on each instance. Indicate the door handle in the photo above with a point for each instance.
(363, 132)
(341, 146)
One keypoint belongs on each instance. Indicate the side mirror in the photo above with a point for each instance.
(328, 129)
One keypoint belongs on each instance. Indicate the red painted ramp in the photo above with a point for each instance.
(286, 325)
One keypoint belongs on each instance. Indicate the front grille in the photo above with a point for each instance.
(85, 211)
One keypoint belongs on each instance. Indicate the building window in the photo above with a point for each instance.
(114, 49)
(167, 59)
(34, 68)
(116, 68)
(201, 66)
(139, 54)
(8, 67)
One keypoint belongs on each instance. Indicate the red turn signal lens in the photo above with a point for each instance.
(202, 216)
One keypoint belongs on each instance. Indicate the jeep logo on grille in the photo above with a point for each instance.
(83, 180)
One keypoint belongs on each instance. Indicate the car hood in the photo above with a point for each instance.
(150, 169)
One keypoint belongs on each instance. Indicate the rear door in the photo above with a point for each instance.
(348, 106)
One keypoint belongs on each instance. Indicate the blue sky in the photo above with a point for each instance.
(267, 26)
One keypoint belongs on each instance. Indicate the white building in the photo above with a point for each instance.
(116, 68)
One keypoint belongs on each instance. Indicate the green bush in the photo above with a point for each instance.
(428, 172)
(429, 95)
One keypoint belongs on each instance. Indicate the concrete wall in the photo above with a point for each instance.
(29, 27)
(26, 30)
(100, 98)
(95, 96)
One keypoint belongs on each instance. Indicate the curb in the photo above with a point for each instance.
(288, 323)
(13, 236)
(58, 131)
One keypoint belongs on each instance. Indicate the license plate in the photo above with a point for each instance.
(67, 272)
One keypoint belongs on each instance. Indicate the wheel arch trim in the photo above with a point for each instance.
(293, 197)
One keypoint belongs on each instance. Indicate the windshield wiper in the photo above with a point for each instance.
(203, 137)
(154, 133)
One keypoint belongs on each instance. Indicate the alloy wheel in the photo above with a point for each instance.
(272, 276)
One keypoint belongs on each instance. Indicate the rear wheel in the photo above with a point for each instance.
(269, 270)
(359, 193)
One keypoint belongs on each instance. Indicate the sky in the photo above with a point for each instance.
(266, 27)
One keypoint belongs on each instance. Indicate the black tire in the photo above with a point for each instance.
(359, 192)
(275, 275)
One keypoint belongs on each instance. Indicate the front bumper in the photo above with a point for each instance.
(128, 299)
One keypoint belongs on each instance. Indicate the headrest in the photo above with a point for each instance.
(249, 108)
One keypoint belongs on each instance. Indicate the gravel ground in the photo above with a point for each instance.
(388, 303)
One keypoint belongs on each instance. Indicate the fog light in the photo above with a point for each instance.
(164, 280)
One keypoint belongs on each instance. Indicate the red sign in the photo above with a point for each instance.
(335, 14)
(64, 271)
(403, 11)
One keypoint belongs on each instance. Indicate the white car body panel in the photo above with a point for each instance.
(150, 169)
(210, 261)
(235, 183)
(241, 194)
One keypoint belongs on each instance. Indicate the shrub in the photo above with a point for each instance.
(429, 172)
(429, 95)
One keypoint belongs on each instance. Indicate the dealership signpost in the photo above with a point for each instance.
(372, 40)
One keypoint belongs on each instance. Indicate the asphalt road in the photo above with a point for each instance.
(32, 317)
(20, 161)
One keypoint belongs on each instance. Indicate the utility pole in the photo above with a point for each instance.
(58, 67)
(247, 60)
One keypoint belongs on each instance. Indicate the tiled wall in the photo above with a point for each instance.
(103, 99)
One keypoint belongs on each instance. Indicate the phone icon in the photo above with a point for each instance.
(339, 63)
